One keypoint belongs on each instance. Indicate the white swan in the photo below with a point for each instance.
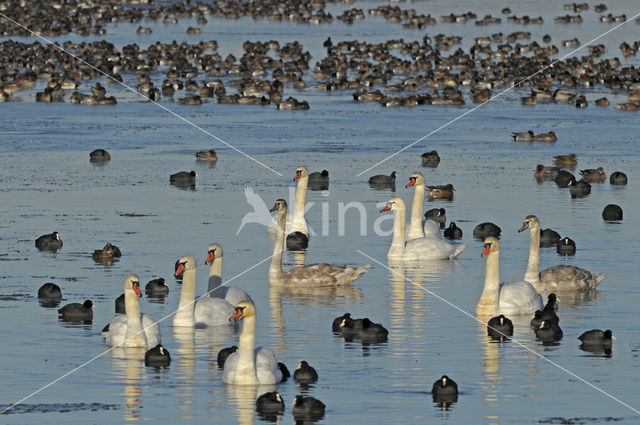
(248, 365)
(204, 311)
(430, 247)
(560, 278)
(133, 329)
(508, 298)
(313, 274)
(215, 289)
(416, 228)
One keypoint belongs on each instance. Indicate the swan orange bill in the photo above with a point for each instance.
(237, 313)
(179, 270)
(210, 257)
(298, 175)
(386, 208)
(136, 288)
(412, 181)
(487, 248)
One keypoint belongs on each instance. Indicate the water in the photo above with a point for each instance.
(48, 184)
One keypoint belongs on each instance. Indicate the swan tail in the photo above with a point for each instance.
(458, 251)
(599, 277)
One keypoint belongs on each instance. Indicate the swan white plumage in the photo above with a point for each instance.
(418, 229)
(204, 311)
(313, 274)
(133, 329)
(231, 294)
(431, 247)
(508, 298)
(560, 278)
(295, 221)
(248, 365)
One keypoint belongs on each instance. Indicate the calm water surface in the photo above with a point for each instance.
(48, 184)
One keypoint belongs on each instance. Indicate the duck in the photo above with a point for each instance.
(523, 136)
(156, 287)
(157, 356)
(485, 229)
(453, 231)
(559, 278)
(232, 294)
(76, 312)
(618, 178)
(298, 234)
(209, 155)
(50, 290)
(305, 373)
(565, 160)
(270, 403)
(438, 215)
(133, 329)
(248, 365)
(508, 298)
(566, 246)
(563, 178)
(382, 180)
(430, 158)
(99, 155)
(579, 189)
(307, 408)
(548, 331)
(546, 137)
(204, 311)
(551, 305)
(444, 386)
(543, 172)
(309, 275)
(548, 238)
(430, 247)
(612, 212)
(594, 175)
(596, 337)
(224, 354)
(499, 327)
(183, 177)
(51, 242)
(441, 192)
(109, 251)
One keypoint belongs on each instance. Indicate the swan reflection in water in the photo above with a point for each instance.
(128, 363)
(244, 397)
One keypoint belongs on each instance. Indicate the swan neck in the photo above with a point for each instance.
(135, 331)
(398, 240)
(275, 270)
(301, 200)
(532, 275)
(186, 306)
(215, 275)
(415, 226)
(246, 346)
(490, 298)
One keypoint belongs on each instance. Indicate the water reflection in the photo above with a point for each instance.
(129, 362)
(598, 350)
(184, 185)
(244, 397)
(186, 368)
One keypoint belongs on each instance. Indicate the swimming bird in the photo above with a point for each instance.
(50, 242)
(307, 408)
(566, 246)
(593, 175)
(549, 331)
(441, 191)
(99, 155)
(50, 290)
(76, 312)
(444, 386)
(305, 373)
(270, 403)
(596, 337)
(209, 155)
(499, 327)
(612, 212)
(453, 231)
(157, 287)
(158, 356)
(563, 178)
(382, 180)
(579, 189)
(618, 178)
(483, 230)
(183, 177)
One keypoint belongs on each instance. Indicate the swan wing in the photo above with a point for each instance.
(267, 369)
(519, 298)
(430, 249)
(151, 330)
(117, 331)
(568, 278)
(212, 312)
(432, 230)
(236, 295)
(230, 367)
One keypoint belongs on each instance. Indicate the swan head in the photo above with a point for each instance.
(132, 283)
(279, 205)
(530, 222)
(415, 179)
(491, 244)
(300, 173)
(215, 251)
(185, 263)
(244, 309)
(394, 204)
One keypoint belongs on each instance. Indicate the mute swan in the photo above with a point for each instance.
(415, 225)
(215, 289)
(508, 298)
(204, 311)
(430, 247)
(133, 329)
(298, 232)
(557, 278)
(313, 274)
(250, 365)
